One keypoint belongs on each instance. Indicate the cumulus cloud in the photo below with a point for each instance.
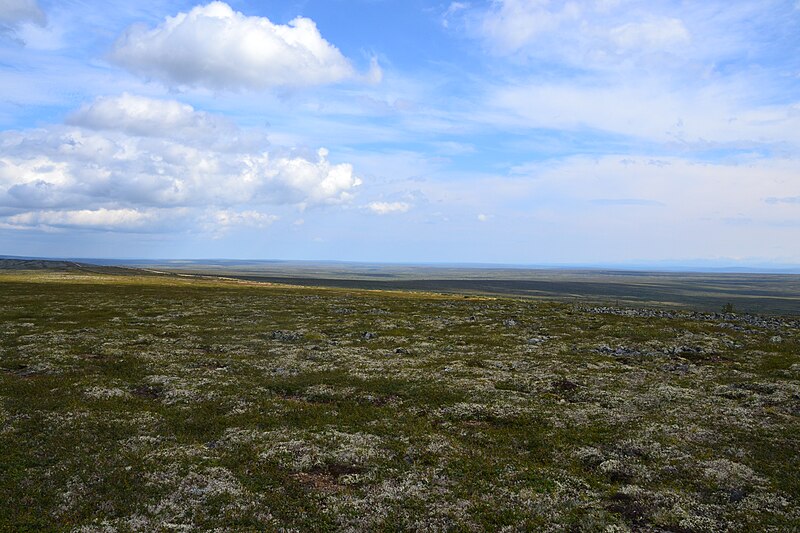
(121, 158)
(219, 222)
(386, 208)
(13, 12)
(139, 116)
(115, 219)
(216, 47)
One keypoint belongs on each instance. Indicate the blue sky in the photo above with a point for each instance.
(508, 131)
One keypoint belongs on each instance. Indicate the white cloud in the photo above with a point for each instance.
(687, 75)
(514, 24)
(375, 73)
(319, 182)
(453, 9)
(139, 116)
(242, 218)
(649, 109)
(220, 222)
(589, 34)
(454, 148)
(84, 173)
(386, 208)
(483, 217)
(13, 12)
(603, 6)
(620, 207)
(676, 192)
(214, 46)
(85, 218)
(658, 34)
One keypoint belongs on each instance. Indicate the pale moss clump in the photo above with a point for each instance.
(303, 450)
(103, 393)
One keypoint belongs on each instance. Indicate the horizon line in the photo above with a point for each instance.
(666, 266)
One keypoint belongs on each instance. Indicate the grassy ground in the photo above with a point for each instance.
(156, 404)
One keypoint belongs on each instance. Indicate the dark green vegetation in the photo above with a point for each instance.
(161, 403)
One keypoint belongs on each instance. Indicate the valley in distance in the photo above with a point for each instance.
(312, 396)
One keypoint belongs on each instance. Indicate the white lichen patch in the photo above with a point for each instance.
(326, 393)
(728, 473)
(482, 412)
(105, 393)
(302, 451)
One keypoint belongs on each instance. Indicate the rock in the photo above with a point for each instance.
(283, 335)
(369, 335)
(723, 320)
(678, 368)
(764, 389)
(564, 385)
(686, 350)
(736, 494)
(509, 322)
(150, 392)
(776, 339)
(401, 351)
(621, 352)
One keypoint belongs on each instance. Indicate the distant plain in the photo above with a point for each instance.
(771, 293)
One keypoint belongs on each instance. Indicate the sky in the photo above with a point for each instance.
(502, 131)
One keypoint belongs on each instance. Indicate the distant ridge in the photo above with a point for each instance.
(37, 264)
(60, 265)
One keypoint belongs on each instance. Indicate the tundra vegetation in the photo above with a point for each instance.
(158, 403)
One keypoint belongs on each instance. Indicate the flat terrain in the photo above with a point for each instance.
(773, 293)
(162, 403)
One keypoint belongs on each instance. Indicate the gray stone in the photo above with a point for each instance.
(282, 335)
